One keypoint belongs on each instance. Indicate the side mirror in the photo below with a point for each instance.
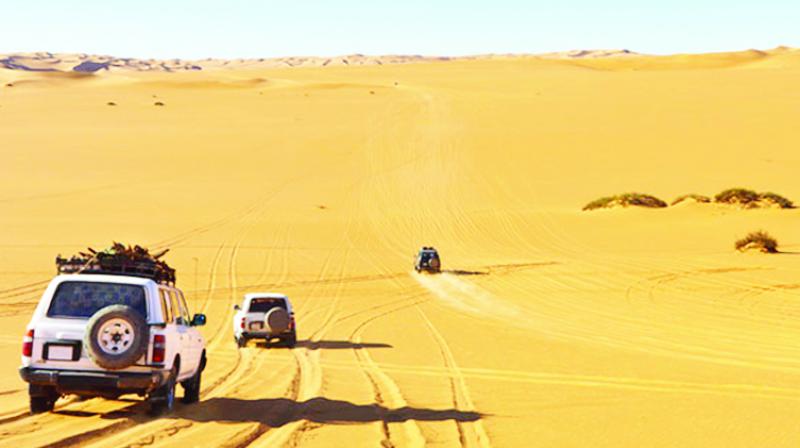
(237, 307)
(199, 320)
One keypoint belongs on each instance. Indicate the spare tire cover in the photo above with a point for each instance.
(434, 263)
(116, 337)
(278, 320)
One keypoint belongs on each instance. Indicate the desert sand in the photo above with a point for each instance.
(552, 327)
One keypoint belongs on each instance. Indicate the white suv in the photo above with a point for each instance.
(109, 335)
(264, 315)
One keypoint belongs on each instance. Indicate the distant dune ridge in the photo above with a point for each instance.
(52, 62)
(86, 63)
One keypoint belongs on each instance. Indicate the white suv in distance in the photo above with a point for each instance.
(109, 335)
(267, 316)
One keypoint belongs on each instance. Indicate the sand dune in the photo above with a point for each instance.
(49, 62)
(552, 326)
(601, 59)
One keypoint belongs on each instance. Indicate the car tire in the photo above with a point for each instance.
(162, 400)
(291, 339)
(116, 337)
(40, 405)
(241, 341)
(42, 398)
(191, 387)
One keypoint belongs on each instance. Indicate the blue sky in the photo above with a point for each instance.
(268, 28)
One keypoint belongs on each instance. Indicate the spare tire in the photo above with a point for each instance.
(116, 337)
(434, 263)
(277, 319)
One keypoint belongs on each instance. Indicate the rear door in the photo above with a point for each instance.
(60, 328)
(195, 339)
(184, 333)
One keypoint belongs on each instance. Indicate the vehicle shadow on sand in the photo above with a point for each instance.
(327, 345)
(277, 412)
(463, 272)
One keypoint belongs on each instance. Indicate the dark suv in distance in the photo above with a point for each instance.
(428, 260)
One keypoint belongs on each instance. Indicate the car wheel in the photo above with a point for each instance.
(241, 342)
(191, 388)
(42, 398)
(291, 340)
(40, 405)
(162, 400)
(116, 337)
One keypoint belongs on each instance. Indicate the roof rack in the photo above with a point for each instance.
(119, 260)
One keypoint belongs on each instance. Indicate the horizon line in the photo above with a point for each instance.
(420, 55)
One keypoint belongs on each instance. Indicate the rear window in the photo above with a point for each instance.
(83, 299)
(429, 255)
(264, 305)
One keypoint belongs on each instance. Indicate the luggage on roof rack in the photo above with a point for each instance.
(119, 260)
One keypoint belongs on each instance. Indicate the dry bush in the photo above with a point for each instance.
(736, 196)
(626, 200)
(750, 199)
(774, 198)
(759, 240)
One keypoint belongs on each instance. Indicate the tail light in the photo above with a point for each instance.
(159, 348)
(27, 344)
(291, 323)
(243, 319)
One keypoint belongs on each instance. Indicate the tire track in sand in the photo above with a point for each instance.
(297, 384)
(307, 382)
(472, 433)
(386, 392)
(239, 388)
(434, 158)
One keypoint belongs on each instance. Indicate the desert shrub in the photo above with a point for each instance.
(599, 203)
(694, 197)
(736, 196)
(776, 199)
(759, 240)
(750, 199)
(626, 200)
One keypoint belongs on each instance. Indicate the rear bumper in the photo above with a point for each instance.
(264, 334)
(73, 381)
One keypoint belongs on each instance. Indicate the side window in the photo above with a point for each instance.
(177, 311)
(165, 306)
(184, 307)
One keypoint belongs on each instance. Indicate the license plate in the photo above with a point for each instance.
(60, 352)
(256, 325)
